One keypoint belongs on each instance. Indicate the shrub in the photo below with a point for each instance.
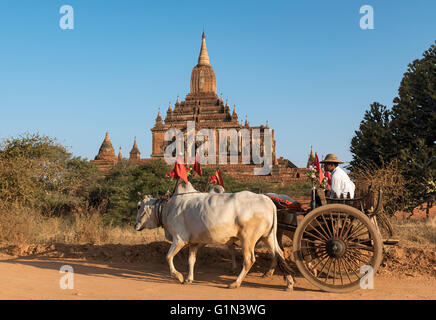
(37, 172)
(389, 177)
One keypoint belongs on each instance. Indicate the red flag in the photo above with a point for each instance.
(219, 178)
(180, 170)
(318, 168)
(197, 167)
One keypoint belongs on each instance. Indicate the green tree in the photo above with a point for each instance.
(38, 172)
(414, 127)
(373, 141)
(407, 133)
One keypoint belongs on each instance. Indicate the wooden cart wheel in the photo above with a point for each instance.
(333, 244)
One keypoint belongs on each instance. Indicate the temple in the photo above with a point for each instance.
(205, 110)
(203, 107)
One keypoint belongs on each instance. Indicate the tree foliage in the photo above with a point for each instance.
(406, 133)
(373, 141)
(414, 127)
(38, 172)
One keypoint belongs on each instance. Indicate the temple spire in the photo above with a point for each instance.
(106, 151)
(311, 158)
(203, 59)
(134, 153)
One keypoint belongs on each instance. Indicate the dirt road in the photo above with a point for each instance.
(39, 278)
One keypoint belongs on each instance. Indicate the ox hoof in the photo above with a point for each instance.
(187, 281)
(233, 285)
(268, 274)
(178, 276)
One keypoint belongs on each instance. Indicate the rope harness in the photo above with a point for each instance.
(158, 211)
(160, 202)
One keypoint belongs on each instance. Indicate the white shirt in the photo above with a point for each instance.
(341, 183)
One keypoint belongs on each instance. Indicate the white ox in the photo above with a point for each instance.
(191, 218)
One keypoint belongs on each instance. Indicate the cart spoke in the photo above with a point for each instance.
(315, 228)
(316, 237)
(340, 273)
(357, 252)
(327, 226)
(357, 245)
(348, 230)
(333, 224)
(321, 259)
(354, 271)
(356, 256)
(344, 226)
(325, 233)
(352, 259)
(323, 266)
(328, 270)
(316, 242)
(355, 231)
(319, 247)
(334, 270)
(342, 261)
(340, 221)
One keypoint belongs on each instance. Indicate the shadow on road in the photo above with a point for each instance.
(146, 262)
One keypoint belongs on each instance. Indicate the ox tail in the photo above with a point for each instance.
(281, 261)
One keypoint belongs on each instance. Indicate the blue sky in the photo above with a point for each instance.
(306, 66)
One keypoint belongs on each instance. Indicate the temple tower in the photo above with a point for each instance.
(201, 105)
(106, 157)
(134, 153)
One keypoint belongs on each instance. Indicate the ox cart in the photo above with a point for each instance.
(337, 243)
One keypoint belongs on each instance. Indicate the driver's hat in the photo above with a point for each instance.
(331, 158)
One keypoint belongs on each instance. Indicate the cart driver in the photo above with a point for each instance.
(341, 183)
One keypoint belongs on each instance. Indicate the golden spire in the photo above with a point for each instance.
(120, 155)
(203, 59)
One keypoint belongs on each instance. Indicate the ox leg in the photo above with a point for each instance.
(193, 248)
(232, 250)
(280, 238)
(176, 246)
(270, 243)
(249, 259)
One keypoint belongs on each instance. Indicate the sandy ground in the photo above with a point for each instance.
(39, 277)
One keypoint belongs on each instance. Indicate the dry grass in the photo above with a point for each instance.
(415, 233)
(25, 226)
